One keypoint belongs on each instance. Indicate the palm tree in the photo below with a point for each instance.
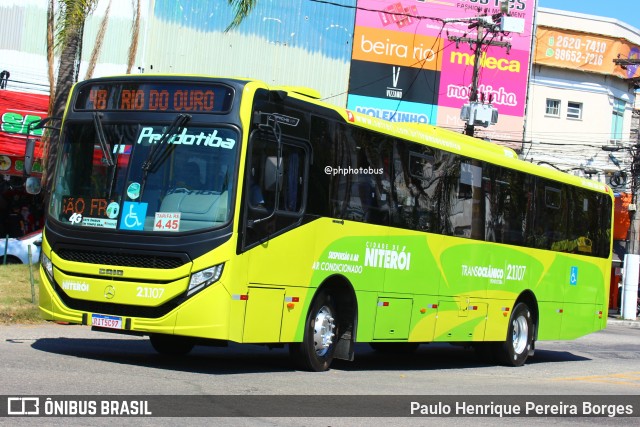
(242, 8)
(68, 29)
(135, 31)
(50, 51)
(65, 34)
(95, 54)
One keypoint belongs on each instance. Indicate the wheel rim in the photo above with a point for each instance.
(520, 334)
(323, 331)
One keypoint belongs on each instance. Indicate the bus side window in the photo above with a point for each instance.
(256, 195)
(550, 219)
(414, 187)
(292, 180)
(268, 180)
(266, 184)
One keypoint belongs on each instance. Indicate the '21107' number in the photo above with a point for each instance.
(516, 272)
(145, 292)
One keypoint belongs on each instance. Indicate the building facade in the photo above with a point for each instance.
(577, 99)
(581, 101)
(297, 44)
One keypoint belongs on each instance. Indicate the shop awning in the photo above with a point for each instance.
(17, 110)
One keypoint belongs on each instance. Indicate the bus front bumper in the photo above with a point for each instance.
(204, 315)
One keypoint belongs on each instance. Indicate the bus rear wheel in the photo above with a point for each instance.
(315, 352)
(171, 345)
(515, 350)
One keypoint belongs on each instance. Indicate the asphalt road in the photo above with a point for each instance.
(57, 360)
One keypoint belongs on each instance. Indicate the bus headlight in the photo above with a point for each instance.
(46, 264)
(204, 278)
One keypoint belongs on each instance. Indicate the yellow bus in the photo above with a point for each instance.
(201, 211)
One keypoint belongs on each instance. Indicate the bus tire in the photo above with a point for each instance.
(515, 350)
(315, 352)
(395, 347)
(171, 345)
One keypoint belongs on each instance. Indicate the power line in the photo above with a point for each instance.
(366, 9)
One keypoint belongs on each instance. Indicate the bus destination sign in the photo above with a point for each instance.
(162, 97)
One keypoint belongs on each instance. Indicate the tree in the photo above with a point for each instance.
(242, 8)
(135, 31)
(68, 30)
(50, 51)
(95, 54)
(64, 33)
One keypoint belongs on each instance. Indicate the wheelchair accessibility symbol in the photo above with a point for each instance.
(133, 215)
(573, 278)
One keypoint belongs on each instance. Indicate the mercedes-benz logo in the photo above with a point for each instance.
(109, 292)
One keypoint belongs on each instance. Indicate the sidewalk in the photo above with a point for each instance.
(616, 320)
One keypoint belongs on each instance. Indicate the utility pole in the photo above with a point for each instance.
(628, 308)
(482, 23)
(633, 247)
(477, 112)
(629, 305)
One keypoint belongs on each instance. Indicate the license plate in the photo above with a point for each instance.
(103, 321)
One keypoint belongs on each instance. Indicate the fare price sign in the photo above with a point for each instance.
(167, 221)
(158, 96)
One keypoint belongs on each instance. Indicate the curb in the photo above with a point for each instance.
(623, 322)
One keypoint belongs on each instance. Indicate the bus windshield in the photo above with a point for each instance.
(158, 178)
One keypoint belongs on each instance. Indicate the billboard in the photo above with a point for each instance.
(407, 67)
(586, 52)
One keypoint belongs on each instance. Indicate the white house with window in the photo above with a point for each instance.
(581, 95)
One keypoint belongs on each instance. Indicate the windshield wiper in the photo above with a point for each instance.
(159, 152)
(107, 157)
(162, 149)
(112, 178)
(97, 123)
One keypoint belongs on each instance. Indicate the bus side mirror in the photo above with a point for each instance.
(29, 152)
(272, 177)
(33, 185)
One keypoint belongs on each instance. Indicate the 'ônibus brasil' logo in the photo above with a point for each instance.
(147, 136)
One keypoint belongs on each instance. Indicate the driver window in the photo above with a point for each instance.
(274, 193)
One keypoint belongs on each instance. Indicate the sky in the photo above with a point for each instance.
(622, 10)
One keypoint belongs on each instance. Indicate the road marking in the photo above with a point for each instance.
(629, 378)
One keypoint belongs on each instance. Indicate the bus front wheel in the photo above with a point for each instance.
(171, 345)
(315, 352)
(515, 350)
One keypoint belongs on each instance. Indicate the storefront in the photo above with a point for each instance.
(17, 111)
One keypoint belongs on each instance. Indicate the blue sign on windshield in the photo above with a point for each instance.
(133, 215)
